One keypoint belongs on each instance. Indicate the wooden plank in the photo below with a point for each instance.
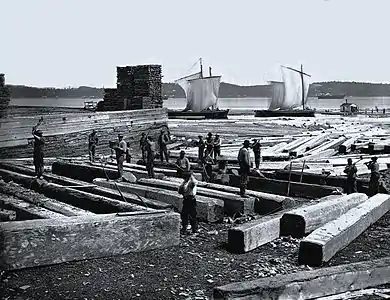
(46, 242)
(65, 181)
(301, 221)
(208, 209)
(81, 199)
(322, 244)
(26, 211)
(311, 284)
(279, 187)
(265, 203)
(34, 198)
(233, 203)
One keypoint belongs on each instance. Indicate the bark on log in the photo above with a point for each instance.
(233, 203)
(265, 203)
(208, 209)
(7, 215)
(44, 242)
(322, 244)
(311, 284)
(301, 221)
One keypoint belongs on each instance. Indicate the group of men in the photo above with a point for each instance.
(351, 172)
(209, 147)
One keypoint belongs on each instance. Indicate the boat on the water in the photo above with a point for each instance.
(289, 96)
(202, 97)
(330, 96)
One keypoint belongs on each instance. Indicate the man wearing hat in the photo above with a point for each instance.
(38, 154)
(209, 144)
(182, 164)
(244, 162)
(162, 143)
(201, 146)
(120, 152)
(375, 176)
(92, 142)
(256, 147)
(350, 170)
(188, 190)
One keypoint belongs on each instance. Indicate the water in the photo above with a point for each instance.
(234, 104)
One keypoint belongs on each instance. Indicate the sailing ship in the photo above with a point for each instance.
(289, 96)
(201, 95)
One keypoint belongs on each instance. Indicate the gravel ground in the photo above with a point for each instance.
(188, 271)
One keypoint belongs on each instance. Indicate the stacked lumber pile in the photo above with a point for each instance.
(111, 101)
(72, 130)
(5, 95)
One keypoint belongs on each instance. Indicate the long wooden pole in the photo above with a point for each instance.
(201, 68)
(303, 88)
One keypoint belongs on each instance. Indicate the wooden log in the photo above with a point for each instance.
(7, 215)
(78, 184)
(233, 203)
(346, 146)
(265, 203)
(334, 144)
(322, 244)
(44, 242)
(81, 199)
(279, 187)
(34, 198)
(320, 156)
(27, 211)
(208, 209)
(311, 284)
(301, 221)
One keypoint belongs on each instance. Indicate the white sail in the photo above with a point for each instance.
(183, 82)
(293, 89)
(202, 93)
(277, 95)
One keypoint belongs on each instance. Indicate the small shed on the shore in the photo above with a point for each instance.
(349, 108)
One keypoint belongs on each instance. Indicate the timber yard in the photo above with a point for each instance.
(275, 209)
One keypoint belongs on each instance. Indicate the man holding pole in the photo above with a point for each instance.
(38, 154)
(188, 190)
(257, 152)
(92, 142)
(350, 170)
(120, 152)
(375, 176)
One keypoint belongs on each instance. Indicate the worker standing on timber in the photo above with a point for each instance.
(150, 155)
(142, 145)
(162, 143)
(182, 164)
(217, 146)
(188, 190)
(244, 162)
(257, 152)
(120, 152)
(350, 170)
(209, 144)
(92, 142)
(38, 153)
(208, 168)
(201, 146)
(375, 176)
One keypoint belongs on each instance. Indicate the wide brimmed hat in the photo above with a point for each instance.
(246, 142)
(38, 132)
(120, 135)
(374, 158)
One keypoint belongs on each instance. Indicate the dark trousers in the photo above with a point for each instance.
(120, 160)
(217, 151)
(200, 153)
(92, 149)
(243, 180)
(164, 152)
(209, 150)
(209, 172)
(189, 212)
(257, 161)
(150, 167)
(351, 186)
(144, 155)
(38, 164)
(374, 184)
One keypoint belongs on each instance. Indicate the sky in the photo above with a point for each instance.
(60, 43)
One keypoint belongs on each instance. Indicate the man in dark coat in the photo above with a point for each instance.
(162, 143)
(92, 142)
(350, 170)
(38, 153)
(209, 144)
(142, 145)
(201, 146)
(256, 147)
(244, 162)
(150, 155)
(217, 146)
(375, 176)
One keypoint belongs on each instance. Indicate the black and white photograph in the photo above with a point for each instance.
(194, 150)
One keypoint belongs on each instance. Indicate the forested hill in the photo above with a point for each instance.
(227, 90)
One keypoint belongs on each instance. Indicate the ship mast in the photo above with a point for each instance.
(201, 68)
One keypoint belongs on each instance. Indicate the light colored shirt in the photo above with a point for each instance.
(190, 187)
(123, 146)
(183, 163)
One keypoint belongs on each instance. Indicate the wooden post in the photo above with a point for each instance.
(303, 166)
(289, 180)
(303, 89)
